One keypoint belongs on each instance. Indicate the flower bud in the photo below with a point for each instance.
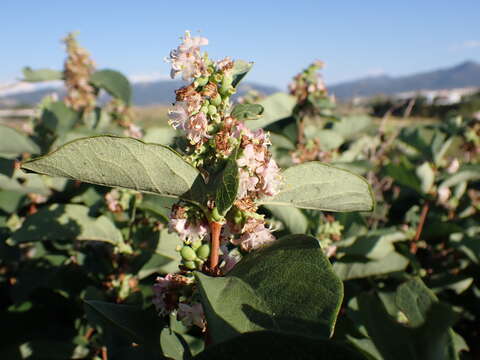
(212, 110)
(217, 100)
(201, 81)
(203, 251)
(188, 253)
(227, 81)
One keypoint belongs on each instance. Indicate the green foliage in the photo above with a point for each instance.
(15, 143)
(66, 223)
(276, 107)
(109, 160)
(273, 345)
(226, 185)
(114, 83)
(287, 287)
(247, 111)
(40, 75)
(240, 69)
(318, 186)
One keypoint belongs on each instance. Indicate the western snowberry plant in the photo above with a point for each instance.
(235, 277)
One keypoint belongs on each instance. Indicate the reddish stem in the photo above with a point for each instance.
(215, 228)
(421, 223)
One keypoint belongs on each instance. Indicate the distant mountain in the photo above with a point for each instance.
(160, 92)
(466, 74)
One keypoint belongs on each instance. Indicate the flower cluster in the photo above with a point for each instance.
(203, 112)
(77, 72)
(328, 233)
(307, 83)
(259, 173)
(172, 293)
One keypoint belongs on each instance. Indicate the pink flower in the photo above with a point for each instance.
(186, 58)
(255, 235)
(454, 166)
(133, 131)
(271, 179)
(251, 158)
(196, 128)
(443, 194)
(111, 199)
(192, 315)
(178, 116)
(225, 64)
(246, 183)
(160, 290)
(186, 230)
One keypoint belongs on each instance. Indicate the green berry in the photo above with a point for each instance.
(188, 253)
(196, 244)
(203, 251)
(190, 265)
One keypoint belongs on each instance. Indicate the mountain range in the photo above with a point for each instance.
(466, 74)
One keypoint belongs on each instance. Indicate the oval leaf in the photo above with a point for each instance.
(69, 222)
(288, 287)
(114, 83)
(31, 75)
(14, 143)
(276, 107)
(247, 111)
(122, 162)
(318, 186)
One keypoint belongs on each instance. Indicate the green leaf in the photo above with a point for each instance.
(15, 143)
(352, 126)
(240, 69)
(281, 141)
(171, 345)
(272, 345)
(123, 162)
(328, 139)
(226, 185)
(348, 268)
(276, 107)
(375, 245)
(318, 186)
(427, 177)
(160, 135)
(31, 75)
(288, 286)
(59, 118)
(114, 83)
(24, 183)
(293, 219)
(10, 200)
(66, 223)
(138, 325)
(244, 112)
(426, 334)
(466, 173)
(404, 175)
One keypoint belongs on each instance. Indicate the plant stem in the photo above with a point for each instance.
(421, 223)
(215, 228)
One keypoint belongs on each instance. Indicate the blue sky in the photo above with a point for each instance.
(355, 38)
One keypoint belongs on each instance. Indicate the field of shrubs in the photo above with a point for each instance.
(269, 227)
